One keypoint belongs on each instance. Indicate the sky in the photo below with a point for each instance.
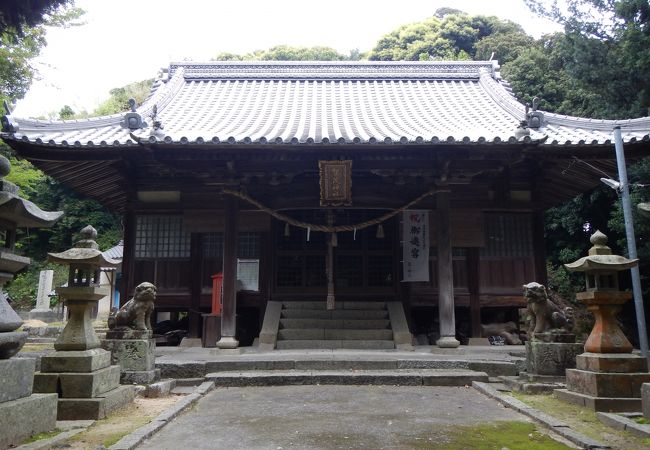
(124, 41)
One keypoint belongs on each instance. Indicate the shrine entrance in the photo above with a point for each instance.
(365, 262)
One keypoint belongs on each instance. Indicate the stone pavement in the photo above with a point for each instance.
(328, 417)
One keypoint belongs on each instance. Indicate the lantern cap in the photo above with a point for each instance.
(85, 251)
(600, 257)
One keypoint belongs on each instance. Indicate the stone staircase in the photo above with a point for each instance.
(352, 325)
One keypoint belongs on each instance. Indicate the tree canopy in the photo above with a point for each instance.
(289, 53)
(448, 35)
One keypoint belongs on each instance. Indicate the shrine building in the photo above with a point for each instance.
(403, 196)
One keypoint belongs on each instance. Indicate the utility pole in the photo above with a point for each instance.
(631, 242)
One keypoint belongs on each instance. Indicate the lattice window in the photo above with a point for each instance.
(248, 246)
(161, 237)
(508, 235)
(213, 245)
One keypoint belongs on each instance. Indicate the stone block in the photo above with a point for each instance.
(94, 408)
(46, 383)
(139, 376)
(608, 404)
(25, 417)
(645, 399)
(76, 361)
(129, 334)
(160, 389)
(551, 358)
(599, 384)
(612, 362)
(17, 378)
(11, 342)
(132, 354)
(87, 385)
(46, 315)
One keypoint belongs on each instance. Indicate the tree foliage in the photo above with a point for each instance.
(21, 15)
(22, 37)
(448, 35)
(289, 53)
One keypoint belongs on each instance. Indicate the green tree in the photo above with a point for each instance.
(66, 113)
(289, 53)
(607, 51)
(119, 98)
(450, 34)
(22, 37)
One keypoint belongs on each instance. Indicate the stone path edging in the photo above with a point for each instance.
(132, 440)
(621, 422)
(50, 442)
(555, 425)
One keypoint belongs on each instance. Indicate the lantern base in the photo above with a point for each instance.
(604, 382)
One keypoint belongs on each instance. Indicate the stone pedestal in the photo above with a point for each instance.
(87, 384)
(551, 358)
(134, 352)
(546, 364)
(22, 414)
(606, 381)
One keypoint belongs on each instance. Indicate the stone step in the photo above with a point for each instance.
(191, 373)
(348, 324)
(347, 314)
(334, 344)
(339, 305)
(337, 334)
(425, 377)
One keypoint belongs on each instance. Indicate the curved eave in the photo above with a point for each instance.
(86, 256)
(602, 262)
(25, 213)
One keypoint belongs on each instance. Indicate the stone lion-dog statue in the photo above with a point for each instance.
(544, 315)
(136, 313)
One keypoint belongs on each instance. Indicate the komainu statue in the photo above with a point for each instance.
(136, 313)
(545, 317)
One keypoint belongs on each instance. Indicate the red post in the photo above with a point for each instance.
(217, 287)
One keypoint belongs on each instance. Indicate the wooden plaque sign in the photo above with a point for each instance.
(335, 183)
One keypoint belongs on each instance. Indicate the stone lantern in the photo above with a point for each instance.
(602, 296)
(82, 291)
(79, 370)
(608, 376)
(22, 413)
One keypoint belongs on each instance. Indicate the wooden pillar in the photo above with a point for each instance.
(446, 312)
(195, 286)
(229, 300)
(473, 283)
(539, 248)
(329, 263)
(128, 257)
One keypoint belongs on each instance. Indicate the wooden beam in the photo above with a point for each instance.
(473, 286)
(128, 257)
(446, 311)
(195, 286)
(229, 299)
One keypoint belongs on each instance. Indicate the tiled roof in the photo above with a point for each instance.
(279, 103)
(116, 252)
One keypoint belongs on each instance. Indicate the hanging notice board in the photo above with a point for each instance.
(335, 183)
(415, 245)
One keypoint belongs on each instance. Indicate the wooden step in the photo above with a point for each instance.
(334, 344)
(348, 324)
(334, 334)
(336, 314)
(341, 305)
